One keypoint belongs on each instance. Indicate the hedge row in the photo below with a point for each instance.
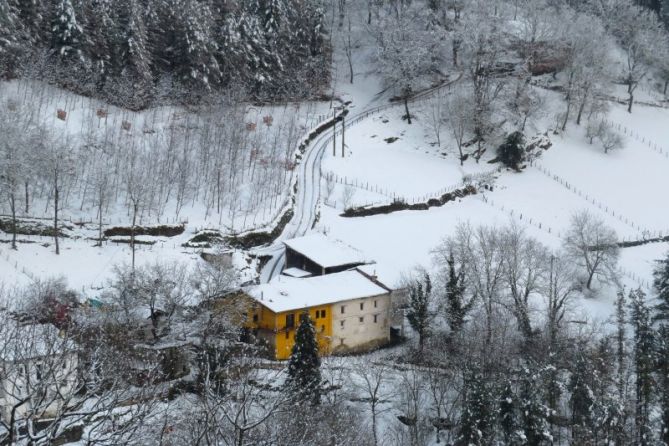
(399, 205)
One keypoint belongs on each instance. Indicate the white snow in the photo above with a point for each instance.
(286, 293)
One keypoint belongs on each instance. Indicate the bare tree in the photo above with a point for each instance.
(479, 251)
(16, 128)
(406, 49)
(347, 196)
(558, 291)
(459, 120)
(58, 162)
(371, 381)
(524, 268)
(592, 245)
(642, 37)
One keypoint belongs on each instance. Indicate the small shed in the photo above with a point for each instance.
(319, 255)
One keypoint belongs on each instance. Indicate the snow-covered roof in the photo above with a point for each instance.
(325, 251)
(296, 272)
(386, 275)
(288, 293)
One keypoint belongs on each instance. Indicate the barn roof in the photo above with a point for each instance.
(325, 251)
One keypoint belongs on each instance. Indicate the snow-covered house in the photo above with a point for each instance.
(316, 255)
(38, 367)
(350, 312)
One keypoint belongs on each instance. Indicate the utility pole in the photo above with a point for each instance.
(334, 132)
(343, 129)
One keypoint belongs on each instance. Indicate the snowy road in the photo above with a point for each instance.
(309, 184)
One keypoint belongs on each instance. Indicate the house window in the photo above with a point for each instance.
(287, 335)
(323, 313)
(362, 306)
(376, 304)
(362, 319)
(341, 324)
(343, 309)
(376, 318)
(255, 318)
(290, 320)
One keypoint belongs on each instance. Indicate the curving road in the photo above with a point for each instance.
(308, 183)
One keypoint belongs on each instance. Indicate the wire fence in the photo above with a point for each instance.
(642, 231)
(641, 138)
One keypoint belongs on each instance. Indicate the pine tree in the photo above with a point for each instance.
(419, 314)
(534, 419)
(644, 362)
(662, 372)
(10, 49)
(196, 47)
(476, 420)
(661, 285)
(511, 151)
(66, 31)
(133, 61)
(456, 307)
(582, 400)
(304, 373)
(508, 416)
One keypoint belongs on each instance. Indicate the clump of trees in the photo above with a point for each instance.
(136, 53)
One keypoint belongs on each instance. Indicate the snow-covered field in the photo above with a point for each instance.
(626, 188)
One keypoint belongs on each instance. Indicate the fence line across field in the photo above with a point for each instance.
(603, 207)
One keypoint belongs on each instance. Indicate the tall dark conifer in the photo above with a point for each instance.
(644, 364)
(304, 372)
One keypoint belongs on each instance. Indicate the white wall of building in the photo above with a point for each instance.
(363, 323)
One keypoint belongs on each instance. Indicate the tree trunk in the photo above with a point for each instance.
(580, 111)
(12, 207)
(132, 233)
(343, 129)
(406, 107)
(55, 213)
(630, 91)
(590, 276)
(666, 84)
(27, 196)
(100, 223)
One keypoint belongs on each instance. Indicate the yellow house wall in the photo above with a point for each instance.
(284, 338)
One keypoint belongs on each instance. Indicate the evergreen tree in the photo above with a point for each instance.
(661, 285)
(582, 400)
(304, 372)
(508, 416)
(196, 47)
(133, 61)
(662, 372)
(66, 31)
(476, 420)
(644, 362)
(535, 413)
(10, 49)
(419, 314)
(511, 152)
(101, 29)
(456, 307)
